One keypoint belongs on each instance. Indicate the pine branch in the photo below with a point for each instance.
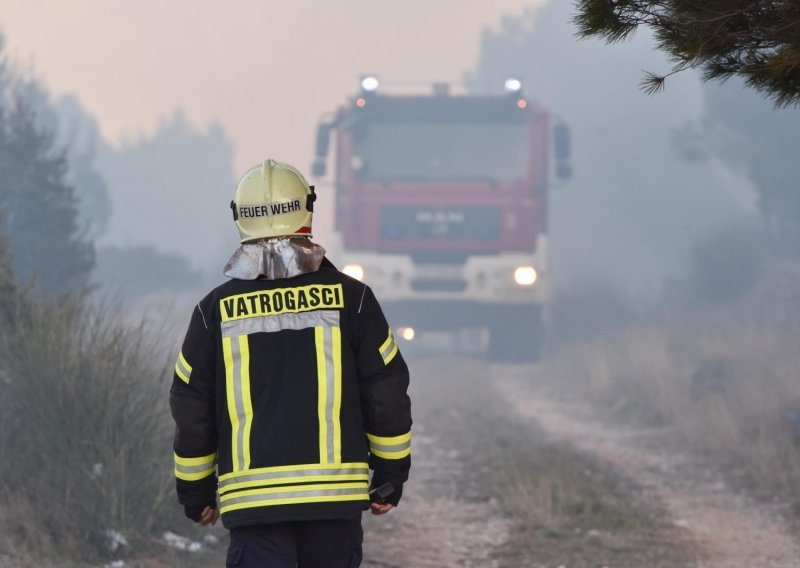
(756, 39)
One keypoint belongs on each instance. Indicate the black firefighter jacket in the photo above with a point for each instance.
(285, 393)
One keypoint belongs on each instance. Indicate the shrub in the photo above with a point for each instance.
(724, 383)
(84, 434)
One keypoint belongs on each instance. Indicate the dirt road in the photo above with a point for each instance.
(505, 477)
(468, 502)
(730, 530)
(444, 519)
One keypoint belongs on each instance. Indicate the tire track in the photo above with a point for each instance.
(732, 530)
(439, 523)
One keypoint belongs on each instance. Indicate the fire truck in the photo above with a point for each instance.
(441, 207)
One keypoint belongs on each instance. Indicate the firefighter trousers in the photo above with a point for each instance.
(334, 543)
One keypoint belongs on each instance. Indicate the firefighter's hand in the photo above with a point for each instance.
(209, 516)
(380, 508)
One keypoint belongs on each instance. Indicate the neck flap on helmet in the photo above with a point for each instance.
(274, 259)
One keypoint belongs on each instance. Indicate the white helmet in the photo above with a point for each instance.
(273, 199)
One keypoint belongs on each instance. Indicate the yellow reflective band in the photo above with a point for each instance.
(290, 468)
(227, 354)
(337, 394)
(329, 386)
(391, 455)
(244, 349)
(202, 460)
(389, 440)
(183, 369)
(322, 393)
(180, 374)
(296, 479)
(236, 353)
(390, 447)
(391, 355)
(389, 348)
(194, 476)
(388, 342)
(182, 359)
(194, 469)
(319, 473)
(291, 494)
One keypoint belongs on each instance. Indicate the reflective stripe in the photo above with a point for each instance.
(300, 474)
(297, 467)
(236, 353)
(322, 392)
(389, 348)
(337, 395)
(392, 448)
(293, 494)
(272, 324)
(194, 469)
(244, 345)
(183, 369)
(202, 460)
(329, 386)
(188, 476)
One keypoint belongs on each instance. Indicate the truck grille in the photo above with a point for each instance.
(433, 285)
(440, 223)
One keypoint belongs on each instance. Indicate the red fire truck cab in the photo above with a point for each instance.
(441, 207)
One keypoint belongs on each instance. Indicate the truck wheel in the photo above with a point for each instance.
(516, 336)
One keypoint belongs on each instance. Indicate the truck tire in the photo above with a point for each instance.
(516, 335)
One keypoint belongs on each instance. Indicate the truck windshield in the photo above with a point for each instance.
(419, 151)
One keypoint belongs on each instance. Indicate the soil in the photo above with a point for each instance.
(727, 527)
(456, 510)
(477, 428)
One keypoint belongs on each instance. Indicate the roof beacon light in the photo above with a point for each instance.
(513, 85)
(369, 83)
(525, 275)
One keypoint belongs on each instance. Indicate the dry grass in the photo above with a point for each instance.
(84, 435)
(548, 487)
(551, 488)
(727, 385)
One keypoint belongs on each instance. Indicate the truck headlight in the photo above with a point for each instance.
(354, 271)
(525, 275)
(407, 333)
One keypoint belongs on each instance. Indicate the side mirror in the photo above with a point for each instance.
(321, 149)
(562, 150)
(561, 142)
(318, 168)
(323, 138)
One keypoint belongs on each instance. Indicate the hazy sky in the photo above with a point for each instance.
(265, 70)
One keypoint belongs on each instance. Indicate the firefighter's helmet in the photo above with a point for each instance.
(273, 199)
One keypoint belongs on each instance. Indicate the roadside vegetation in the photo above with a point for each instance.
(723, 378)
(566, 506)
(84, 433)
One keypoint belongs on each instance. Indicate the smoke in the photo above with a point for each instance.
(634, 208)
(170, 191)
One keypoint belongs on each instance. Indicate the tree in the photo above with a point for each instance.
(41, 212)
(633, 208)
(171, 191)
(757, 142)
(76, 131)
(45, 238)
(8, 287)
(758, 40)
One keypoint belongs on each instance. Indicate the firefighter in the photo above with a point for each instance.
(288, 389)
